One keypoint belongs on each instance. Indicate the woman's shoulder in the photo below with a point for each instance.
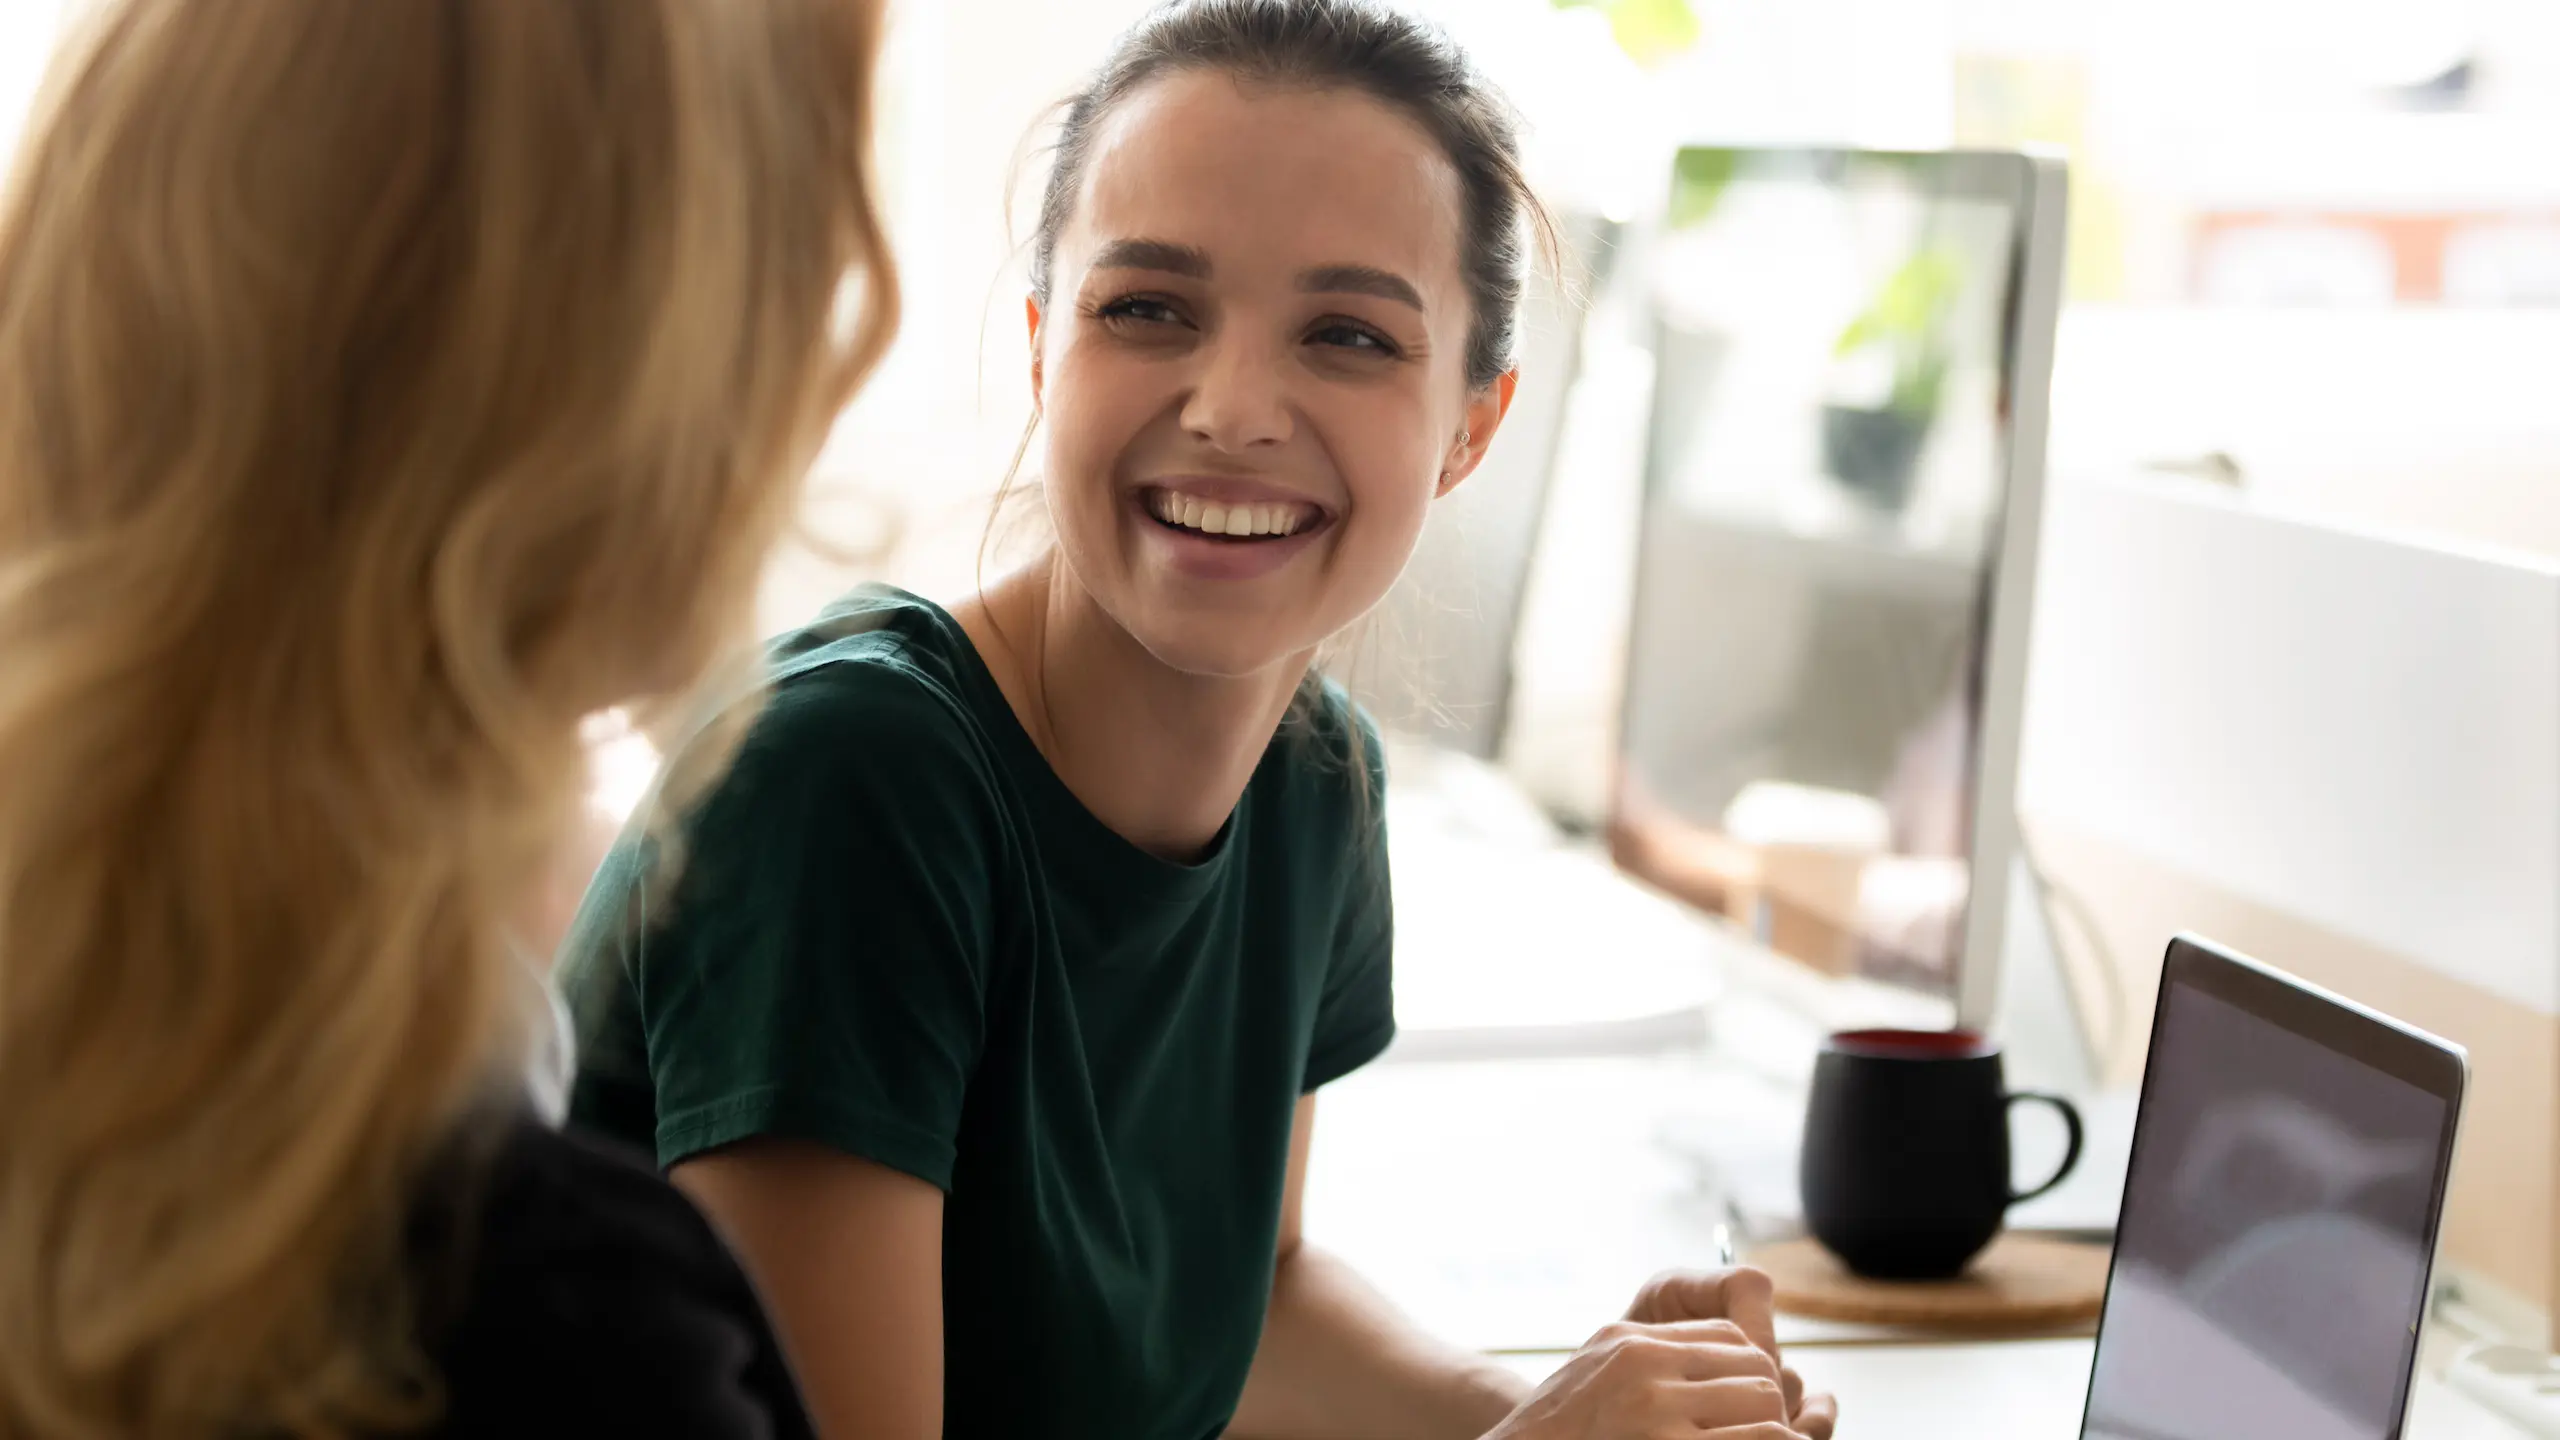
(866, 741)
(878, 697)
(584, 1294)
(877, 664)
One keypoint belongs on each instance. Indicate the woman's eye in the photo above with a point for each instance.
(1352, 337)
(1139, 310)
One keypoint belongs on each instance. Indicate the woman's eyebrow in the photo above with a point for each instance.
(1360, 280)
(1163, 255)
(1170, 258)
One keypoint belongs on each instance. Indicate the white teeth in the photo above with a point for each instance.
(1237, 521)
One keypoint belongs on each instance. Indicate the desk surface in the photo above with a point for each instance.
(1516, 1206)
(2019, 1390)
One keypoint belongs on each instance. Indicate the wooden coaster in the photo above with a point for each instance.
(2021, 1282)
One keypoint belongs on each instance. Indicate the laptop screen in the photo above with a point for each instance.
(2277, 1232)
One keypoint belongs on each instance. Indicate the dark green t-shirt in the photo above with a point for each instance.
(898, 933)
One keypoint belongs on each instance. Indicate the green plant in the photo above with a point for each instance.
(1908, 319)
(1698, 181)
(1650, 31)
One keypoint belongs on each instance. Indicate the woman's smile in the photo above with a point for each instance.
(1224, 529)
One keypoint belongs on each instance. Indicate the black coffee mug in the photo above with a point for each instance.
(1905, 1168)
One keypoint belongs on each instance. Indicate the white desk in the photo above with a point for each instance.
(2017, 1390)
(1516, 1206)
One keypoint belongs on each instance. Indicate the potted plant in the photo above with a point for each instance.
(1871, 443)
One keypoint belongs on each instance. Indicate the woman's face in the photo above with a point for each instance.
(1252, 366)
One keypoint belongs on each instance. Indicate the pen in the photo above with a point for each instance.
(1724, 1246)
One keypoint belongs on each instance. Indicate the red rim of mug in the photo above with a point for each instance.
(1912, 1045)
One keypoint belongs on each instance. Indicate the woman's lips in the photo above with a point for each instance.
(1232, 519)
(1226, 506)
(1226, 529)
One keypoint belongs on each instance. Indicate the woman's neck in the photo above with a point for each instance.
(1158, 755)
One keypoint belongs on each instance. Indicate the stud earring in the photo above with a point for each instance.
(1464, 436)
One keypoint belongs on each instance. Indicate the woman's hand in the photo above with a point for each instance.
(1748, 1299)
(1639, 1381)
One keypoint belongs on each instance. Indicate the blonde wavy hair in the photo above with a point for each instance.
(384, 387)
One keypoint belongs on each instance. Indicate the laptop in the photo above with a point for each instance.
(2280, 1213)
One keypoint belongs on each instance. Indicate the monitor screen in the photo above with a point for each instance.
(2272, 1257)
(1825, 480)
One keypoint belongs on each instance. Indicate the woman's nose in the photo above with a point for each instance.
(1240, 400)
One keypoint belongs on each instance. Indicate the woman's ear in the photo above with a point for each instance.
(1031, 315)
(1485, 409)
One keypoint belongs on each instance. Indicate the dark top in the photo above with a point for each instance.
(899, 934)
(570, 1290)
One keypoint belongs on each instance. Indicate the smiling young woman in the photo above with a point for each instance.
(988, 1012)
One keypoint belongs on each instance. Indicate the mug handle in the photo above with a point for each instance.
(2071, 1148)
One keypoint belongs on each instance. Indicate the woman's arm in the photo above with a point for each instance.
(847, 1255)
(1338, 1362)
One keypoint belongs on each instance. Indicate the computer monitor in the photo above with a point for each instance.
(1826, 660)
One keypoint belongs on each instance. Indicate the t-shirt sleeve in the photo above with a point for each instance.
(1356, 1014)
(822, 970)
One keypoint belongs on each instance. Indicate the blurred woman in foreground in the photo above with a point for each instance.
(384, 388)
